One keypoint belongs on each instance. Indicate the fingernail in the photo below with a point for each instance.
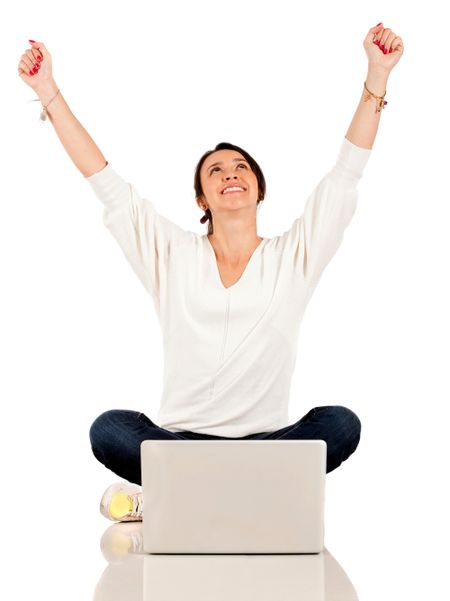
(377, 42)
(378, 23)
(39, 58)
(32, 41)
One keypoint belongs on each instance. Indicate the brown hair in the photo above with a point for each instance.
(253, 166)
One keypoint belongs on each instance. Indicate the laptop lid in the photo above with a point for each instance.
(233, 496)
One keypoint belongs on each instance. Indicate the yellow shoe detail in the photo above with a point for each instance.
(120, 505)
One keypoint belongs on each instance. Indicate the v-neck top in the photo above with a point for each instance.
(242, 274)
(230, 352)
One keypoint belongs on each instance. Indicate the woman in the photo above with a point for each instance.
(229, 302)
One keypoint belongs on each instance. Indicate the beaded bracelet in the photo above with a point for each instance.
(381, 103)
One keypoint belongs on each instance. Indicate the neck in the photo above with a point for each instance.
(234, 248)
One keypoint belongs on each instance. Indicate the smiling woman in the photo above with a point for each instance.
(229, 302)
(237, 162)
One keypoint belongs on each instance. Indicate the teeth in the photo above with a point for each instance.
(232, 189)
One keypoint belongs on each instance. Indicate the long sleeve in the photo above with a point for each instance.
(314, 237)
(145, 237)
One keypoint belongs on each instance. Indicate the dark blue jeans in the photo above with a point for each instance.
(116, 436)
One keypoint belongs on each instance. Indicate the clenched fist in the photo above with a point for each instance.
(35, 66)
(383, 47)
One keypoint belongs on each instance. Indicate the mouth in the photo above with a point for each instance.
(233, 190)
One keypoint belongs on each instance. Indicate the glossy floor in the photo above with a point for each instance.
(136, 576)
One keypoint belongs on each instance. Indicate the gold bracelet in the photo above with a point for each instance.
(381, 103)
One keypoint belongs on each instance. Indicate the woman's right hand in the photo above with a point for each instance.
(35, 66)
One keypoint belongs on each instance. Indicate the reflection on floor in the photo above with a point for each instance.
(135, 576)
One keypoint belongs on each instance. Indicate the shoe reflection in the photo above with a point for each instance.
(136, 576)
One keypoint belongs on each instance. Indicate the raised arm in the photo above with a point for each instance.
(78, 143)
(384, 49)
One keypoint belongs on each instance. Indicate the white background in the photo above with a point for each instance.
(155, 85)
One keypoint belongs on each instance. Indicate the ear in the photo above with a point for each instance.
(201, 203)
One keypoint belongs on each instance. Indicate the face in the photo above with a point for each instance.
(225, 168)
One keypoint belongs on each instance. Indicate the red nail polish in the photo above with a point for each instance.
(378, 24)
(377, 42)
(31, 73)
(32, 41)
(39, 58)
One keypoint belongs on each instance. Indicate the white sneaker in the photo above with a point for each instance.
(122, 502)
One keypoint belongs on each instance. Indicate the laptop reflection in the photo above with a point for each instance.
(138, 576)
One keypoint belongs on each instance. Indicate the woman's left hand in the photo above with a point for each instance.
(384, 48)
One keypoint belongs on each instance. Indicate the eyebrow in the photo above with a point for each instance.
(221, 162)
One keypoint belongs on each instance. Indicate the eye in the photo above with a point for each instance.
(238, 165)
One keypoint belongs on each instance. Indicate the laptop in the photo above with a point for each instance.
(233, 496)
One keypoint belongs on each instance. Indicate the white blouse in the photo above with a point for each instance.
(229, 353)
